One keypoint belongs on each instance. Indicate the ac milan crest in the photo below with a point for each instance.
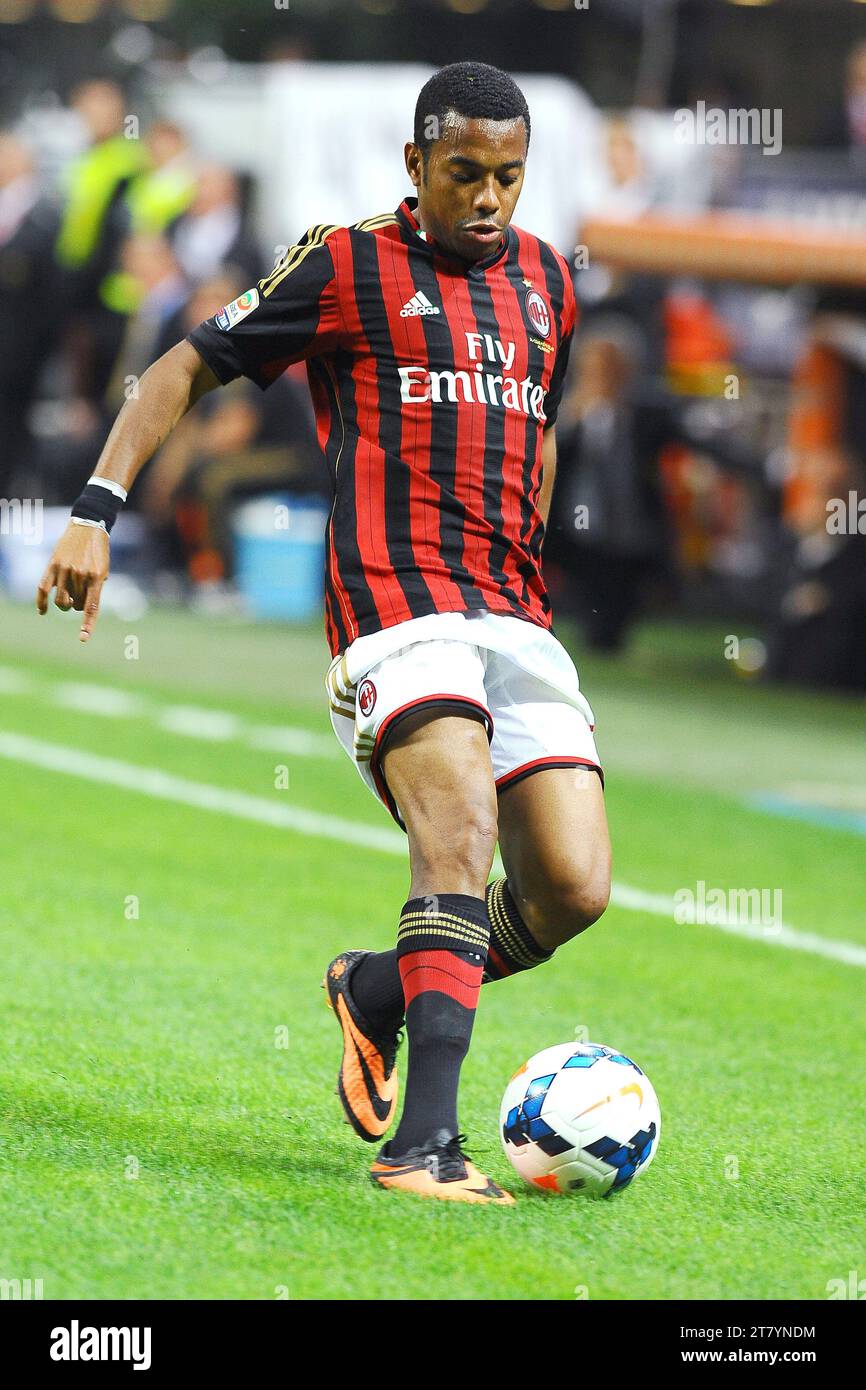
(366, 696)
(538, 313)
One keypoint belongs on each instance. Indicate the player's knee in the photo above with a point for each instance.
(457, 846)
(569, 905)
(586, 903)
(469, 836)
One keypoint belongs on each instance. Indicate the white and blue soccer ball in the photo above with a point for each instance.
(580, 1119)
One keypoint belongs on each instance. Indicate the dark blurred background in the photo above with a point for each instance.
(156, 156)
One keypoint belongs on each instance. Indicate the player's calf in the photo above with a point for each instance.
(439, 772)
(556, 850)
(441, 950)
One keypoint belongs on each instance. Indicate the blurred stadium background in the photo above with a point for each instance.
(157, 154)
(155, 157)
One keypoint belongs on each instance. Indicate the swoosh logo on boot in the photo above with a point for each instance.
(381, 1106)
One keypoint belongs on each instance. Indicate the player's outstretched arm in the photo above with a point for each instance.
(79, 566)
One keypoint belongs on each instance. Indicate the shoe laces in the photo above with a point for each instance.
(388, 1049)
(451, 1159)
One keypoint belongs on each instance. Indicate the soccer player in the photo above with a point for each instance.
(436, 339)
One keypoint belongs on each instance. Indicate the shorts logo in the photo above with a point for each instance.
(538, 313)
(366, 697)
(237, 310)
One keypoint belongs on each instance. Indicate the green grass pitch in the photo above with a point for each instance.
(168, 1127)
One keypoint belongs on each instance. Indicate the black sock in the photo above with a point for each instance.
(378, 990)
(513, 948)
(441, 949)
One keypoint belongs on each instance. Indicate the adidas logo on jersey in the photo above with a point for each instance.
(418, 304)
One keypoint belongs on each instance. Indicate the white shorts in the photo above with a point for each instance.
(511, 674)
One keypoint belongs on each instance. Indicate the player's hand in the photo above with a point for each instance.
(77, 570)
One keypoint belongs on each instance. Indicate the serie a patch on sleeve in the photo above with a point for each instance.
(237, 310)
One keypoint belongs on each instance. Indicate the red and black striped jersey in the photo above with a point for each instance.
(433, 381)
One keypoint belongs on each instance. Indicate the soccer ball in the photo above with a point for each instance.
(580, 1118)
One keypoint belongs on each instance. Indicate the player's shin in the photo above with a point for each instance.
(378, 989)
(441, 950)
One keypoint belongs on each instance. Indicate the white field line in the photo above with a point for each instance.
(775, 934)
(13, 682)
(98, 699)
(186, 721)
(277, 738)
(217, 726)
(164, 786)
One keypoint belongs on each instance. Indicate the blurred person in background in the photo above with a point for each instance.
(241, 442)
(165, 189)
(608, 514)
(213, 233)
(629, 190)
(846, 129)
(94, 224)
(837, 340)
(154, 291)
(28, 226)
(159, 290)
(611, 536)
(819, 636)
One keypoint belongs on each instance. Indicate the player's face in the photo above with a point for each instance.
(469, 187)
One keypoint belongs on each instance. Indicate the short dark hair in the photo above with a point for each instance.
(475, 90)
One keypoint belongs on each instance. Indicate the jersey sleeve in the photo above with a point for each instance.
(563, 352)
(293, 313)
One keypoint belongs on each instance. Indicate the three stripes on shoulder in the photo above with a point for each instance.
(315, 237)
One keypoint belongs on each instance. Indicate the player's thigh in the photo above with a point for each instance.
(438, 770)
(431, 727)
(555, 847)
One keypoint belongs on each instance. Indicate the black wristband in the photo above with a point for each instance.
(98, 504)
